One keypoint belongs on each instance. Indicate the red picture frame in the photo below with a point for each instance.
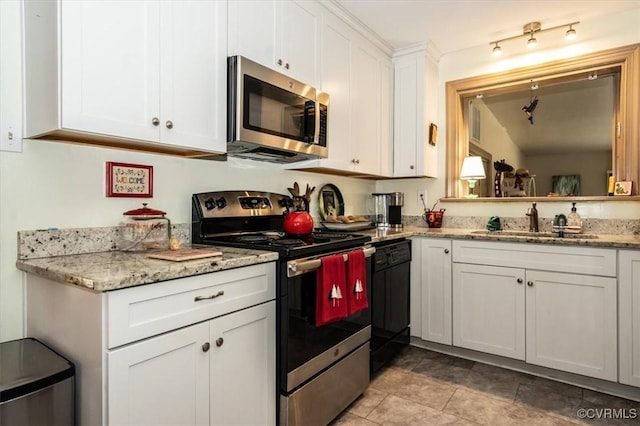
(129, 180)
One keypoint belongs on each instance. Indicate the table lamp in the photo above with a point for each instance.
(472, 171)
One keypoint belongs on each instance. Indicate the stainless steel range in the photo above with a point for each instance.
(320, 369)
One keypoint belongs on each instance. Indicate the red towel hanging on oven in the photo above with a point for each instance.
(331, 290)
(356, 282)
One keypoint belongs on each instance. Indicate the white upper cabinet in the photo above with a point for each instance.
(358, 78)
(282, 35)
(147, 71)
(415, 91)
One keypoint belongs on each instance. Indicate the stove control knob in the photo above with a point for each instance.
(221, 203)
(210, 204)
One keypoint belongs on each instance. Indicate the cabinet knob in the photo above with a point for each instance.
(530, 283)
(353, 161)
(155, 121)
(519, 280)
(169, 124)
(446, 251)
(411, 167)
(205, 347)
(286, 65)
(279, 61)
(219, 341)
(357, 161)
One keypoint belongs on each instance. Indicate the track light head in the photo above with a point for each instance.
(497, 50)
(532, 42)
(570, 34)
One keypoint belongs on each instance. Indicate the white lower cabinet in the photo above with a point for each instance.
(204, 374)
(518, 301)
(489, 309)
(435, 277)
(572, 323)
(629, 311)
(190, 351)
(162, 380)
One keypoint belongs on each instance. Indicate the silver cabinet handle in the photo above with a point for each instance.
(286, 65)
(519, 280)
(205, 347)
(219, 341)
(446, 251)
(530, 283)
(169, 124)
(213, 296)
(279, 61)
(155, 121)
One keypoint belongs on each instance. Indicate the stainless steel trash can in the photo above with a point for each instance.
(36, 385)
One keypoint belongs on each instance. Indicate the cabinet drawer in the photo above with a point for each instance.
(572, 259)
(139, 312)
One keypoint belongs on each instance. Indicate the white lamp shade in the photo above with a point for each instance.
(472, 169)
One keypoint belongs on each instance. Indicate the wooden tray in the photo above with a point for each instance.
(184, 254)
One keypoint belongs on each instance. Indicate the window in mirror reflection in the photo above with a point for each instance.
(571, 134)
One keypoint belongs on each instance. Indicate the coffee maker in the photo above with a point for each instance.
(388, 209)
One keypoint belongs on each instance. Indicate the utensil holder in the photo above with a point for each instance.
(434, 218)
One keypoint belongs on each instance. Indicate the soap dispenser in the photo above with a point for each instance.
(574, 220)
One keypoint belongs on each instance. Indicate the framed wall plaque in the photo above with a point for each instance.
(129, 180)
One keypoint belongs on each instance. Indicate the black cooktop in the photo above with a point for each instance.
(290, 246)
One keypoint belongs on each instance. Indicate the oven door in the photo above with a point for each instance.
(306, 350)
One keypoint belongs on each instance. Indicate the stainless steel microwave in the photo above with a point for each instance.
(272, 117)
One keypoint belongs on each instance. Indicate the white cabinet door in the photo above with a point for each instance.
(109, 68)
(252, 30)
(243, 389)
(415, 86)
(571, 323)
(629, 314)
(193, 71)
(365, 111)
(488, 309)
(298, 23)
(283, 35)
(436, 290)
(161, 381)
(336, 81)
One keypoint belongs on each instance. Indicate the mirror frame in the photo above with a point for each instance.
(626, 137)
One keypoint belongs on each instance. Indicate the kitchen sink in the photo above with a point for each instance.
(533, 234)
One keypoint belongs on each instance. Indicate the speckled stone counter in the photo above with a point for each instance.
(105, 271)
(596, 240)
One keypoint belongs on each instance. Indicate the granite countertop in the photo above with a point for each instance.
(114, 270)
(588, 240)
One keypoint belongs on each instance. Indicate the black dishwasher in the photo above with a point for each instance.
(390, 301)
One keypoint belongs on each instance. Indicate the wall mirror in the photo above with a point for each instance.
(567, 150)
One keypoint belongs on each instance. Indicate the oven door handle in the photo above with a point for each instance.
(299, 267)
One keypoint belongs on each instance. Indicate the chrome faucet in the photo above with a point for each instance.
(532, 212)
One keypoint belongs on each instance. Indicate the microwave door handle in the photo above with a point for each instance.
(316, 130)
(299, 267)
(310, 108)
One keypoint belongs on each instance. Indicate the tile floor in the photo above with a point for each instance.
(422, 387)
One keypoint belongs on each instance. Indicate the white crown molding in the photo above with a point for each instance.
(429, 48)
(337, 9)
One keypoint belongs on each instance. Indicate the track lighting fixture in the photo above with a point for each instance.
(497, 50)
(530, 30)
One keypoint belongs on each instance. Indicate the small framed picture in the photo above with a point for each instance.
(623, 187)
(433, 134)
(129, 180)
